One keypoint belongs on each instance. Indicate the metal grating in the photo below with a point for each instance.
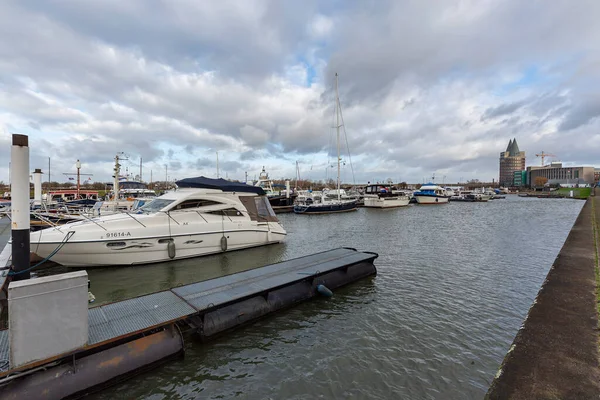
(4, 351)
(121, 318)
(117, 319)
(213, 292)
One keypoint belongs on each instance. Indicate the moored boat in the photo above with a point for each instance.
(203, 216)
(334, 203)
(382, 196)
(431, 194)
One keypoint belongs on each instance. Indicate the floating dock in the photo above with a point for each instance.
(142, 331)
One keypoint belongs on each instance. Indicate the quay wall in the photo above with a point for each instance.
(555, 353)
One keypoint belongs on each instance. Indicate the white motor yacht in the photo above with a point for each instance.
(381, 196)
(203, 216)
(431, 194)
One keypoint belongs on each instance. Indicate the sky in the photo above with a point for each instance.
(427, 88)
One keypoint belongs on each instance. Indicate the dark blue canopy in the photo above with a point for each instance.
(203, 182)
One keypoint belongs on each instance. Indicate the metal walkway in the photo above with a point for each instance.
(129, 317)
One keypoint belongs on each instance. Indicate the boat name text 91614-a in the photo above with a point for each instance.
(117, 234)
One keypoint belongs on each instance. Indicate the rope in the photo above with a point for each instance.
(56, 250)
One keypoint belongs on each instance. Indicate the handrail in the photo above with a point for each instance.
(92, 220)
(40, 216)
(200, 214)
(135, 219)
(169, 216)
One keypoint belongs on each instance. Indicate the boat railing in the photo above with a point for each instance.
(135, 219)
(92, 220)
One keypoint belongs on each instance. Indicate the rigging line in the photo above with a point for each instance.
(346, 137)
(330, 147)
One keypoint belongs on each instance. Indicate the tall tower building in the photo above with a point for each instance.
(511, 160)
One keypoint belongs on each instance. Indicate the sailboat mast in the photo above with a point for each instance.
(337, 125)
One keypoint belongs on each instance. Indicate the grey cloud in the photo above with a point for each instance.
(175, 165)
(211, 35)
(585, 111)
(501, 110)
(202, 163)
(411, 41)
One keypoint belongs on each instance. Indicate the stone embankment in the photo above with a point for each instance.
(555, 353)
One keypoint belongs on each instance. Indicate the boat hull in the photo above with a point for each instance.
(326, 208)
(386, 202)
(131, 251)
(282, 201)
(424, 199)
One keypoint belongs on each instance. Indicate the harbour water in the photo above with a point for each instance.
(454, 284)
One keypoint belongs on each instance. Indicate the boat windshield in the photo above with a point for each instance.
(155, 205)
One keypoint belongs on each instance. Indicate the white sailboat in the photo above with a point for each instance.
(329, 204)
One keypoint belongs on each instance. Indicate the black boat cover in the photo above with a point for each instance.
(203, 182)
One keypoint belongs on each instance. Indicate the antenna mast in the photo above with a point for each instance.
(337, 119)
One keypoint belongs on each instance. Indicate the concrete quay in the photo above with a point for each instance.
(555, 353)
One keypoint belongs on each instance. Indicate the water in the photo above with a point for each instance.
(454, 285)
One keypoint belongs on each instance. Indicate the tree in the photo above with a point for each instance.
(540, 181)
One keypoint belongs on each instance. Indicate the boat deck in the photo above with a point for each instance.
(126, 318)
(5, 258)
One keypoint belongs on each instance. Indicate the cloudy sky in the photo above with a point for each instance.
(426, 87)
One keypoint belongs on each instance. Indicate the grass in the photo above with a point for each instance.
(595, 229)
(577, 192)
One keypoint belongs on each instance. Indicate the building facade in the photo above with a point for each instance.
(555, 174)
(511, 160)
(519, 178)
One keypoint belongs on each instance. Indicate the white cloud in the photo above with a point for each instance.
(320, 27)
(423, 89)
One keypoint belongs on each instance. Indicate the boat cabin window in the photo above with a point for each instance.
(196, 203)
(258, 208)
(229, 212)
(376, 189)
(263, 207)
(156, 205)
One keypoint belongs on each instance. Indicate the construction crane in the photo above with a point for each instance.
(544, 155)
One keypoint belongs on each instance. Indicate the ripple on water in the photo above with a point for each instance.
(454, 284)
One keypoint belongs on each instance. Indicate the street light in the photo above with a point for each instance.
(78, 166)
(166, 172)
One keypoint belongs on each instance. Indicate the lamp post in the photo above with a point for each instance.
(166, 177)
(78, 165)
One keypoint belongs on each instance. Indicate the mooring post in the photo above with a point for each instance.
(37, 186)
(19, 178)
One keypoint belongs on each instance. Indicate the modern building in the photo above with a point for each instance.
(555, 173)
(511, 160)
(520, 178)
(596, 175)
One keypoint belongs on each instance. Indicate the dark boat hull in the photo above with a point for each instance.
(326, 208)
(282, 201)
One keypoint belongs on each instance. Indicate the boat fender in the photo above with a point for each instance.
(223, 243)
(324, 291)
(171, 248)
